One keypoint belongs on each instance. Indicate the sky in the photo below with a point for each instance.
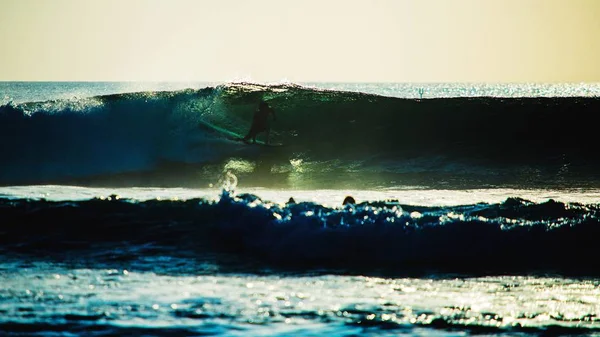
(301, 40)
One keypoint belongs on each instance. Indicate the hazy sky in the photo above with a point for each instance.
(302, 40)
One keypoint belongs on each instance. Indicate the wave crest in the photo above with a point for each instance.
(513, 236)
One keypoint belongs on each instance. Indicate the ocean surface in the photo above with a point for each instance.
(132, 209)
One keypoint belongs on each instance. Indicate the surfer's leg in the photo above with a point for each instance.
(268, 134)
(251, 135)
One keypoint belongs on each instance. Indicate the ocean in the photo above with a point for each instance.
(132, 209)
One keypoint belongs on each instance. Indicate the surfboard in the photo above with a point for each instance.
(261, 143)
(234, 136)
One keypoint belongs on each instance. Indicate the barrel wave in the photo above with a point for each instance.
(184, 138)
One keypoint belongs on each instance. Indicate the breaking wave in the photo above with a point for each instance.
(182, 137)
(513, 236)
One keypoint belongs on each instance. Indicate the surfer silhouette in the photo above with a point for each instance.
(260, 122)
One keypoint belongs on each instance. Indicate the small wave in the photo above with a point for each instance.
(513, 236)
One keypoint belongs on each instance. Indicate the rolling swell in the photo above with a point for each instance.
(173, 138)
(512, 236)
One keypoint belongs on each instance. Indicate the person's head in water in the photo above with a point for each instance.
(263, 104)
(349, 200)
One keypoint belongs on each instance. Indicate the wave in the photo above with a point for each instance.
(513, 236)
(176, 137)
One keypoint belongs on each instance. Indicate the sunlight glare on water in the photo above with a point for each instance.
(332, 198)
(292, 304)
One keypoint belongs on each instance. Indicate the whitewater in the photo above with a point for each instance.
(127, 209)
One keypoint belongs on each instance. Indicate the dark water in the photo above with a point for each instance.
(441, 240)
(239, 265)
(382, 237)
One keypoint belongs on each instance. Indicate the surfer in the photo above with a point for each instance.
(260, 122)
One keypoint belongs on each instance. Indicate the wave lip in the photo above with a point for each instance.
(513, 236)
